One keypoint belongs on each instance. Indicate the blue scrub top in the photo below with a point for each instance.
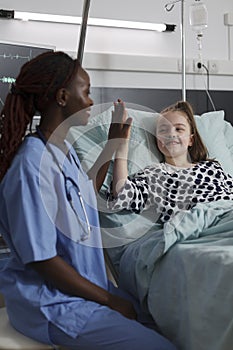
(38, 223)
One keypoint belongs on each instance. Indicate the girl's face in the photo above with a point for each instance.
(173, 135)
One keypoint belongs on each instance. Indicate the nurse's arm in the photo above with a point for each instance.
(65, 278)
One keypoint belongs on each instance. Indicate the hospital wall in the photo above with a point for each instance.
(138, 64)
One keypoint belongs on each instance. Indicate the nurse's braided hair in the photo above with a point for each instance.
(36, 86)
(198, 151)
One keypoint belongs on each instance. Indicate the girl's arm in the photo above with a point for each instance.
(65, 278)
(120, 168)
(119, 131)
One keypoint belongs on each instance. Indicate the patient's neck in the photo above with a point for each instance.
(180, 162)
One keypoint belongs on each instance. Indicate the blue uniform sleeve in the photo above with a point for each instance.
(31, 205)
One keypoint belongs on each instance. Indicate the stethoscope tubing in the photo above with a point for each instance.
(68, 195)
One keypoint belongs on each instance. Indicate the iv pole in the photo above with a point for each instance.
(169, 6)
(83, 28)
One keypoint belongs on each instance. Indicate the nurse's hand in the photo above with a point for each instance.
(118, 138)
(125, 307)
(120, 124)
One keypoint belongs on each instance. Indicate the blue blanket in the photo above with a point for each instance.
(182, 273)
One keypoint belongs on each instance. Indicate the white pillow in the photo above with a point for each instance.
(228, 132)
(89, 140)
(211, 127)
(216, 133)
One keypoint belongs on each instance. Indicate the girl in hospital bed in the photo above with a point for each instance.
(54, 283)
(184, 178)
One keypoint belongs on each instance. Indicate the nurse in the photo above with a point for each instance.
(55, 284)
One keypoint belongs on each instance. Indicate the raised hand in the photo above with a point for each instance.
(118, 139)
(120, 124)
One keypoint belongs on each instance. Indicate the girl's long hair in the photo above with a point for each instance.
(36, 86)
(198, 151)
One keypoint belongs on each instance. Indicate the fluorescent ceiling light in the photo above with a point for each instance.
(100, 22)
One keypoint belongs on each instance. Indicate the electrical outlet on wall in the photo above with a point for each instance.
(213, 66)
(199, 65)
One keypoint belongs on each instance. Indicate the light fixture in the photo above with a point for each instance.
(100, 22)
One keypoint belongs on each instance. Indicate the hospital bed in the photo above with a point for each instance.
(182, 274)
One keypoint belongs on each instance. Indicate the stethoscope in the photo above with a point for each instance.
(86, 227)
